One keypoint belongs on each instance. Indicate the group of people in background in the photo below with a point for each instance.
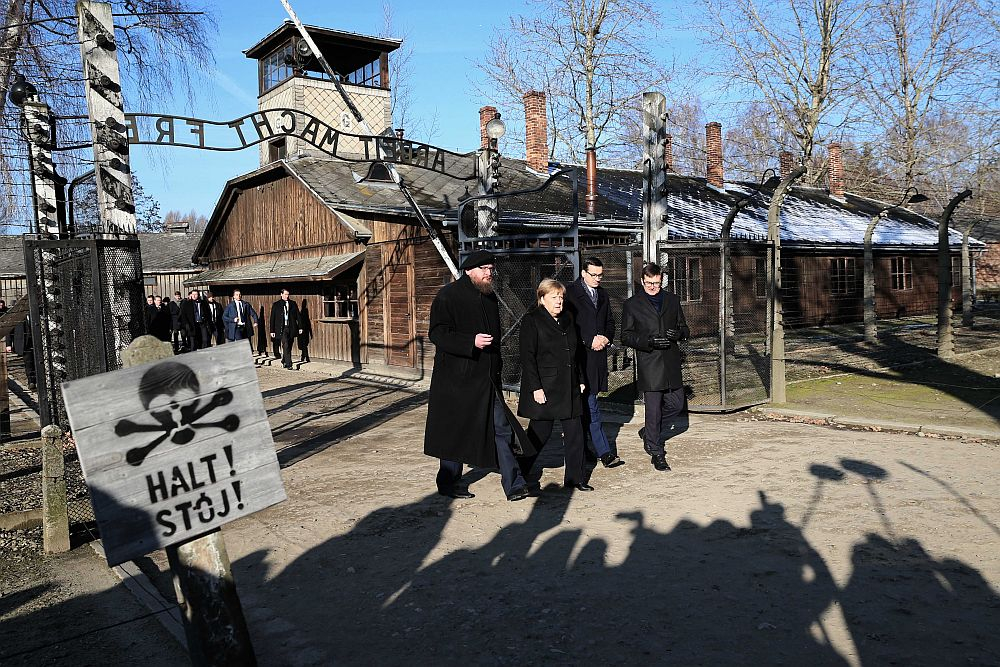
(198, 321)
(564, 344)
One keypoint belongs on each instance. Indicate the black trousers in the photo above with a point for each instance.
(661, 408)
(539, 431)
(449, 472)
(284, 338)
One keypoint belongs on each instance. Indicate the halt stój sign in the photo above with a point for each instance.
(172, 449)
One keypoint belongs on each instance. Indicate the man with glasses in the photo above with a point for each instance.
(652, 324)
(467, 418)
(591, 310)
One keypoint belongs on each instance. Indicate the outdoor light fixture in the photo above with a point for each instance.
(21, 90)
(495, 128)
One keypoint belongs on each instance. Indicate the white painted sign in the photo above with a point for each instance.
(173, 449)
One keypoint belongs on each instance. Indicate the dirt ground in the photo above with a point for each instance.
(768, 543)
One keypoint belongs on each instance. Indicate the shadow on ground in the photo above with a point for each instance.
(722, 593)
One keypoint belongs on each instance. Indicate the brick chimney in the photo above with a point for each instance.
(536, 131)
(836, 167)
(668, 153)
(787, 163)
(486, 114)
(713, 146)
(591, 197)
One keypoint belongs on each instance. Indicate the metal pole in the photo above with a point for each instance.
(777, 324)
(945, 334)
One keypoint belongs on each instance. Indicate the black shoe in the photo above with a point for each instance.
(520, 493)
(611, 460)
(582, 486)
(459, 494)
(660, 462)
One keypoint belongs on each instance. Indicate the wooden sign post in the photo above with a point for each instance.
(172, 448)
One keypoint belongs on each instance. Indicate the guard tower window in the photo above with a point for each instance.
(276, 67)
(368, 75)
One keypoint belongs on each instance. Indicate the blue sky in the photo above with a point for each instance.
(447, 36)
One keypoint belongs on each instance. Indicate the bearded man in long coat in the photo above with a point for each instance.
(467, 418)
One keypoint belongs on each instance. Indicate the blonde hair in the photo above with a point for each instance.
(547, 286)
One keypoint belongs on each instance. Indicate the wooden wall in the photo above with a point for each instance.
(279, 218)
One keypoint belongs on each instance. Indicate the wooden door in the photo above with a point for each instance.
(400, 332)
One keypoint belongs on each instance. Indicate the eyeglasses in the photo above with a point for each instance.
(596, 276)
(655, 283)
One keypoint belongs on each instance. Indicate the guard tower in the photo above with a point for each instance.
(289, 76)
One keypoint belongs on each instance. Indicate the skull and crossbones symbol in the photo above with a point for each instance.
(166, 391)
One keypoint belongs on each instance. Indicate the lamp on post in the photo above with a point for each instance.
(489, 178)
(871, 330)
(945, 337)
(777, 324)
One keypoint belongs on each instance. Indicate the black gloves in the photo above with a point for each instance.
(672, 334)
(658, 342)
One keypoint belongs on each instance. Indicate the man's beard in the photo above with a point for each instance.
(483, 285)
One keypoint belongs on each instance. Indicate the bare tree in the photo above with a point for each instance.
(792, 57)
(161, 44)
(930, 72)
(592, 59)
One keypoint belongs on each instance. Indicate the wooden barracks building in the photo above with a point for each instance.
(340, 236)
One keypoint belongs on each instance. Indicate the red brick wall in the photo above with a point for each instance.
(486, 114)
(988, 267)
(836, 168)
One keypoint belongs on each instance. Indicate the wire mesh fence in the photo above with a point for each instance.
(724, 291)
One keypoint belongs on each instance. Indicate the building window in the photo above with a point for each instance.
(276, 150)
(340, 301)
(684, 274)
(956, 272)
(276, 67)
(901, 273)
(369, 75)
(843, 275)
(760, 278)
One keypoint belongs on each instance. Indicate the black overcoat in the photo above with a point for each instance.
(591, 321)
(549, 361)
(278, 318)
(659, 370)
(465, 379)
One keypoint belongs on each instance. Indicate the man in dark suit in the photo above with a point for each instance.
(652, 324)
(285, 326)
(193, 319)
(591, 310)
(177, 331)
(216, 329)
(239, 319)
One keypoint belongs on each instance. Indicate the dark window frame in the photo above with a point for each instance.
(689, 281)
(844, 276)
(900, 273)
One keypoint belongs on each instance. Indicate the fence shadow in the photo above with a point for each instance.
(755, 592)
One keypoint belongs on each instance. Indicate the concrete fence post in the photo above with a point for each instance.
(55, 516)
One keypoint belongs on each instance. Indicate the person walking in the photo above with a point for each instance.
(652, 324)
(468, 422)
(192, 320)
(285, 326)
(177, 331)
(238, 319)
(552, 382)
(159, 323)
(590, 306)
(215, 325)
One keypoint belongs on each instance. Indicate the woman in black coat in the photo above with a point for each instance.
(551, 386)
